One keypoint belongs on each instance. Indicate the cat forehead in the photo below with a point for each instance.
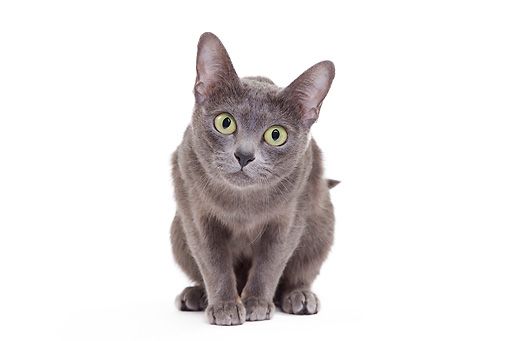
(259, 94)
(260, 86)
(257, 104)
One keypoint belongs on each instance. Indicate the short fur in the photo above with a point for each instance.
(256, 235)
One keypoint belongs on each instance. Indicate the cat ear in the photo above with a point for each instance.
(214, 67)
(310, 89)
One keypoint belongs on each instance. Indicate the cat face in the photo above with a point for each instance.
(231, 130)
(249, 131)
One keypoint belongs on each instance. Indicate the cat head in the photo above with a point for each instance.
(248, 131)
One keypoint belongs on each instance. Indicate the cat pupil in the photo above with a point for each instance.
(226, 123)
(275, 134)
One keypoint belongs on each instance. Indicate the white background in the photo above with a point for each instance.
(95, 96)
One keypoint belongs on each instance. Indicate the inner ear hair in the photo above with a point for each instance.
(310, 89)
(214, 66)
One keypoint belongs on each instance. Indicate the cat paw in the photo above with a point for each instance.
(300, 302)
(226, 313)
(258, 309)
(192, 299)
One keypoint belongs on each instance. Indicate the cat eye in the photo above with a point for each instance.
(225, 123)
(275, 135)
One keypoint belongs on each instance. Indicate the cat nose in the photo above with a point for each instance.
(244, 158)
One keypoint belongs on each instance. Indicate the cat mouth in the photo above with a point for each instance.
(241, 173)
(239, 178)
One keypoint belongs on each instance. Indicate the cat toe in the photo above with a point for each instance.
(226, 313)
(258, 309)
(192, 299)
(300, 302)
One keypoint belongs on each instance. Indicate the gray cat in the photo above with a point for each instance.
(254, 220)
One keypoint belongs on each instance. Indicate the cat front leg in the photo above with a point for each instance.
(294, 295)
(270, 254)
(212, 252)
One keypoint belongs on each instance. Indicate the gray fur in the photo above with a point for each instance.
(258, 235)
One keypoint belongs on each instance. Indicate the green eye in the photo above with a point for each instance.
(225, 123)
(275, 135)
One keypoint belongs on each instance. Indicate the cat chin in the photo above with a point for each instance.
(239, 180)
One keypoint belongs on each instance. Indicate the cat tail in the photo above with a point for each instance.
(332, 183)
